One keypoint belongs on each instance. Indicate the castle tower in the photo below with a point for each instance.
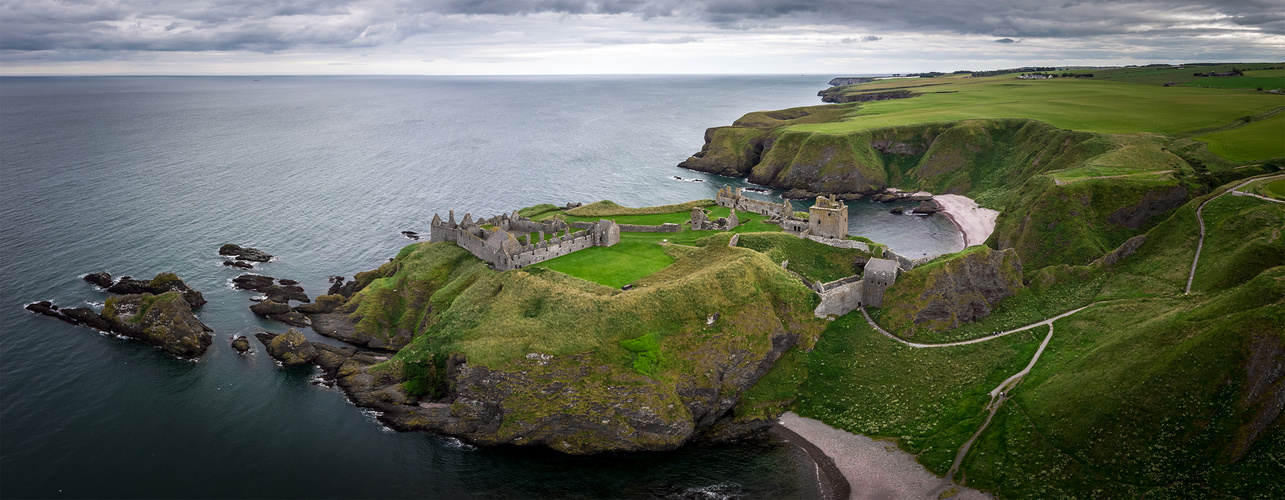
(878, 276)
(828, 218)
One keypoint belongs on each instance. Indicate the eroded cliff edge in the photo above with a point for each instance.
(530, 357)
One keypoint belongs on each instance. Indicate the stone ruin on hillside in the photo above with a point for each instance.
(828, 217)
(843, 296)
(511, 241)
(701, 222)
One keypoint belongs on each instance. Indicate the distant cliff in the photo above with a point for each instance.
(849, 80)
(840, 95)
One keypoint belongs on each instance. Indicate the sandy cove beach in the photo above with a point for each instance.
(873, 469)
(975, 222)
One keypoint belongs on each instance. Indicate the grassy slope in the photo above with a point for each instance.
(815, 261)
(1260, 139)
(495, 317)
(1070, 103)
(1148, 392)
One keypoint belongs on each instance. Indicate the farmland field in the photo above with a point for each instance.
(1257, 140)
(1075, 104)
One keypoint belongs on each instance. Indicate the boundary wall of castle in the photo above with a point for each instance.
(466, 240)
(750, 205)
(668, 227)
(903, 262)
(556, 247)
(842, 298)
(838, 243)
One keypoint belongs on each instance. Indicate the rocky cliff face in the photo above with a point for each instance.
(944, 295)
(576, 404)
(535, 358)
(841, 95)
(939, 157)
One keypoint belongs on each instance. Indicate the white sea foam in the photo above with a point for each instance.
(726, 490)
(457, 444)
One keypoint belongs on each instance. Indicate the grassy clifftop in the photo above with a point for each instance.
(1147, 392)
(454, 303)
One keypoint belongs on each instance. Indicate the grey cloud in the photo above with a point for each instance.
(272, 25)
(1006, 40)
(642, 40)
(861, 39)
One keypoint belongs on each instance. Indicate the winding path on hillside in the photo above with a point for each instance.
(1259, 196)
(998, 395)
(1048, 321)
(1199, 218)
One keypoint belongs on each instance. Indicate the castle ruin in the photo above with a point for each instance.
(734, 199)
(828, 218)
(843, 296)
(497, 240)
(701, 222)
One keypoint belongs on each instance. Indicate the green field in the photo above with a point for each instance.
(1070, 103)
(1257, 140)
(1160, 75)
(614, 266)
(640, 254)
(1094, 171)
(1275, 189)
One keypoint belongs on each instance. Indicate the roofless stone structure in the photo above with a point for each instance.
(512, 241)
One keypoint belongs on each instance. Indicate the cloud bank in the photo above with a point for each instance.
(36, 32)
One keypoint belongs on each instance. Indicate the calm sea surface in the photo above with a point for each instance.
(143, 175)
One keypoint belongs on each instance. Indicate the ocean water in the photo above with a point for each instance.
(143, 175)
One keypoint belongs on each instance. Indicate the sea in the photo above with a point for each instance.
(141, 175)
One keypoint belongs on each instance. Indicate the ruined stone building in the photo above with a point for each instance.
(735, 199)
(846, 295)
(828, 218)
(701, 222)
(510, 241)
(879, 275)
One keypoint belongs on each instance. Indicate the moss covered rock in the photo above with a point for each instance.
(165, 321)
(162, 283)
(290, 348)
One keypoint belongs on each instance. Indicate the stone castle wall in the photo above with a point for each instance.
(667, 227)
(733, 198)
(841, 299)
(503, 251)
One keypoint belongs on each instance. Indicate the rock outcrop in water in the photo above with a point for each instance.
(245, 253)
(162, 283)
(100, 279)
(158, 312)
(290, 348)
(165, 321)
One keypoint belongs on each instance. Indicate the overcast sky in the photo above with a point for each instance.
(480, 37)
